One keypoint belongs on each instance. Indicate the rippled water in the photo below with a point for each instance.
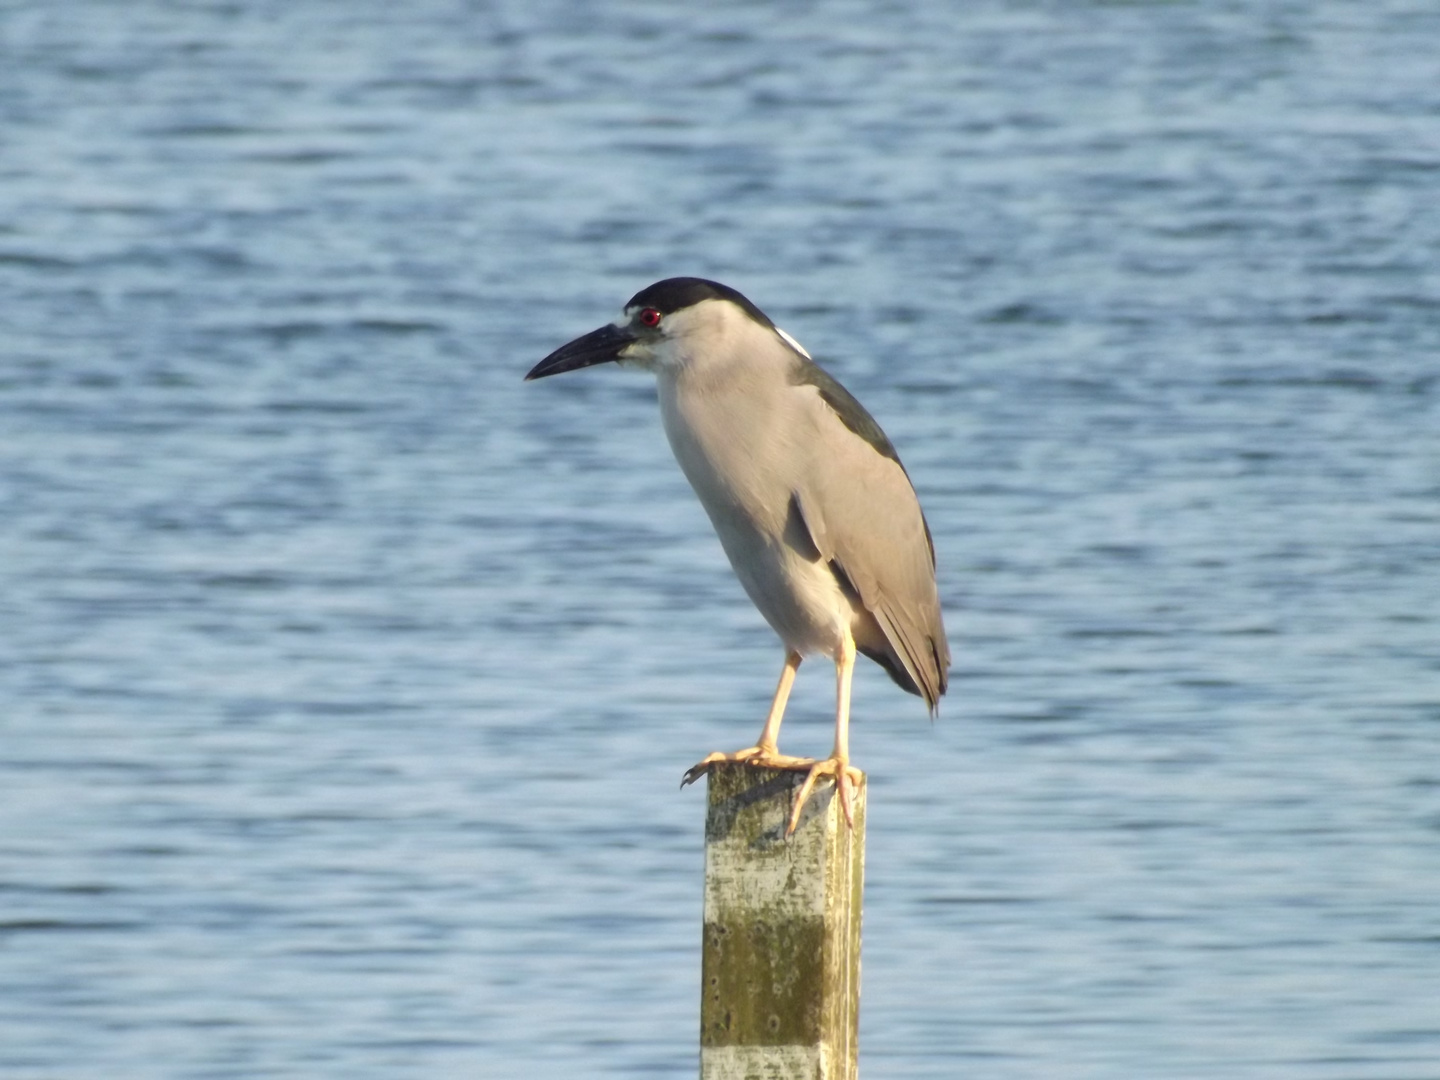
(345, 681)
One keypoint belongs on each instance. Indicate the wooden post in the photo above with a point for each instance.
(780, 970)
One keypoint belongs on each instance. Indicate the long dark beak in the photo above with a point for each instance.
(597, 347)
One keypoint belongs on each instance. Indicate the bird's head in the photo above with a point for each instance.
(662, 327)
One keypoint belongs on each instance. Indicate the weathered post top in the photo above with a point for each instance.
(780, 969)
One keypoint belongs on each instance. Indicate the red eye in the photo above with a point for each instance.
(650, 317)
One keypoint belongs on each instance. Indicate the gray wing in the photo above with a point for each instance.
(864, 519)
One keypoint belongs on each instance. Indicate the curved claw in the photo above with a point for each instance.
(761, 757)
(846, 778)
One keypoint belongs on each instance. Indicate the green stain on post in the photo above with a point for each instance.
(760, 980)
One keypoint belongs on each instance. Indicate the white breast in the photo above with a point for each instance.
(743, 463)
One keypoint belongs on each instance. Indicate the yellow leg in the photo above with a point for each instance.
(764, 754)
(770, 733)
(837, 765)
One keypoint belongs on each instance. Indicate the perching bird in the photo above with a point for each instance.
(808, 496)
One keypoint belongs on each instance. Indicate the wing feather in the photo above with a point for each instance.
(863, 517)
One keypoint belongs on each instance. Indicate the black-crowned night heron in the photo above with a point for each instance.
(808, 496)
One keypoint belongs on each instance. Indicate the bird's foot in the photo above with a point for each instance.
(846, 778)
(762, 757)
